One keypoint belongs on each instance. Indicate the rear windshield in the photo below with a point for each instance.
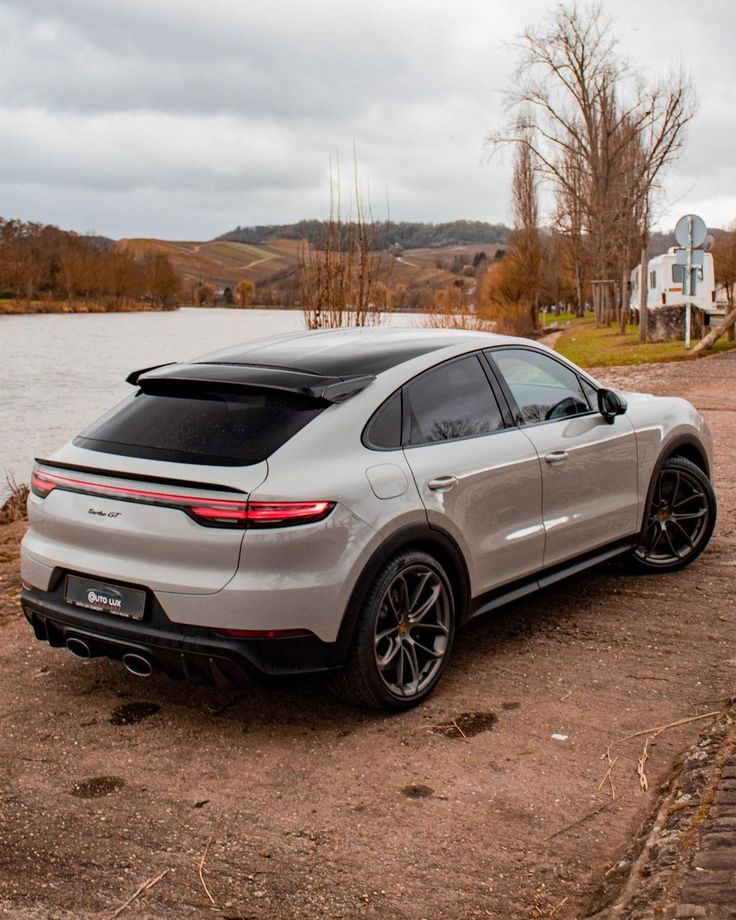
(204, 426)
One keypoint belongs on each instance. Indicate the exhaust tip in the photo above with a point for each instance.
(137, 665)
(78, 647)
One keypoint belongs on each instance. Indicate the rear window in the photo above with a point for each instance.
(206, 426)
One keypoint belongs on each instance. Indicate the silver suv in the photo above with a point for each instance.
(342, 501)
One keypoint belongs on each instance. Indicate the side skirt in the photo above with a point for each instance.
(518, 589)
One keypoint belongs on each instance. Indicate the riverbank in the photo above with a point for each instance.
(31, 307)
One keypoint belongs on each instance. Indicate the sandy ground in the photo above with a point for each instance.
(285, 804)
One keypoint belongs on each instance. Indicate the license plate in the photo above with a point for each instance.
(95, 595)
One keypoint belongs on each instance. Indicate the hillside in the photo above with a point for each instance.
(272, 265)
(393, 234)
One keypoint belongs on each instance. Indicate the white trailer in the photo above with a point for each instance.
(665, 282)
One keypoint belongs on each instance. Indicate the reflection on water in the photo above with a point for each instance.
(58, 372)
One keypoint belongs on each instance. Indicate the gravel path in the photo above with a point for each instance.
(289, 805)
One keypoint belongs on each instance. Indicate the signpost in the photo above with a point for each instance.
(690, 233)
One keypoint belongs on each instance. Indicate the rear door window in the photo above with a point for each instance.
(452, 401)
(201, 425)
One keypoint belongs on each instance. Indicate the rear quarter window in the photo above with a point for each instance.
(196, 425)
(383, 431)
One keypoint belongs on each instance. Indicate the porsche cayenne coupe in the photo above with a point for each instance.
(342, 501)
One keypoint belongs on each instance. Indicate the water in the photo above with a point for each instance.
(58, 372)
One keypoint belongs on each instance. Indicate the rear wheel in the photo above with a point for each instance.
(404, 635)
(680, 518)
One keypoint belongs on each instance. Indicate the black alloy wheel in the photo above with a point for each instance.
(680, 518)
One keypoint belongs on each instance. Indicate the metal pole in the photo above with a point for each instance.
(688, 279)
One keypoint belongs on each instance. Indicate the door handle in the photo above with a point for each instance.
(556, 456)
(442, 483)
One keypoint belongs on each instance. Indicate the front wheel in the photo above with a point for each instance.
(680, 518)
(404, 635)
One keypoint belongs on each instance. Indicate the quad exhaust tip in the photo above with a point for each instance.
(79, 647)
(137, 665)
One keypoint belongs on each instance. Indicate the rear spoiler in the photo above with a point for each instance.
(251, 376)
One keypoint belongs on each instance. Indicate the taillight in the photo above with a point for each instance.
(41, 484)
(279, 514)
(211, 512)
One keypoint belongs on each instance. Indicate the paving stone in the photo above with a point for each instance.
(726, 797)
(715, 887)
(717, 839)
(722, 812)
(724, 858)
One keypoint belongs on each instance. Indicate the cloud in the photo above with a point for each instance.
(146, 117)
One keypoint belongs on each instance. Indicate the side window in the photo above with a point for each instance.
(384, 429)
(544, 389)
(591, 393)
(454, 400)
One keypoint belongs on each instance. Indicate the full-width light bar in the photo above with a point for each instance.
(210, 512)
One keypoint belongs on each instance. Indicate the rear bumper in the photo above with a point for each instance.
(183, 652)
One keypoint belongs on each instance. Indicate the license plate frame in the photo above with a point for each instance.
(103, 597)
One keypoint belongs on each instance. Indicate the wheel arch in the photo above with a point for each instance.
(688, 448)
(415, 536)
(684, 445)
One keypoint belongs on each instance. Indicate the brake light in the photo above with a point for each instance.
(211, 512)
(270, 514)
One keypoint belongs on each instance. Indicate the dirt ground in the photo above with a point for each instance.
(484, 802)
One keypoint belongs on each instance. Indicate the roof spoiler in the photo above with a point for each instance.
(133, 376)
(313, 386)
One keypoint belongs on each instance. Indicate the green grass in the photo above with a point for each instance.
(550, 319)
(606, 347)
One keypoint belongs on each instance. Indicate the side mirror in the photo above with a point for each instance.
(610, 404)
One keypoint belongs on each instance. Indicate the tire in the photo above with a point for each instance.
(679, 520)
(403, 638)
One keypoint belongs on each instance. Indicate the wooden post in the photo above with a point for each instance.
(624, 302)
(643, 289)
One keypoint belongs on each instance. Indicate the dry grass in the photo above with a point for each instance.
(14, 508)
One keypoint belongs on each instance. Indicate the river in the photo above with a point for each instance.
(58, 372)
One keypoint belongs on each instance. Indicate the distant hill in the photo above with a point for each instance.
(403, 234)
(272, 264)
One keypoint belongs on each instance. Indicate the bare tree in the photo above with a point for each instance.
(586, 118)
(525, 239)
(204, 294)
(337, 276)
(245, 292)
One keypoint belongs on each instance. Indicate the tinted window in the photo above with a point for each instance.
(384, 429)
(591, 393)
(454, 400)
(201, 426)
(543, 388)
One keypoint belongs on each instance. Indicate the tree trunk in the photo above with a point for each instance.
(624, 302)
(712, 337)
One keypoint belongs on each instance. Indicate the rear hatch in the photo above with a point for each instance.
(155, 492)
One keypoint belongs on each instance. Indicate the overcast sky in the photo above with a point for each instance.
(181, 119)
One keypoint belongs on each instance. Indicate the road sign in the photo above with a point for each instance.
(683, 230)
